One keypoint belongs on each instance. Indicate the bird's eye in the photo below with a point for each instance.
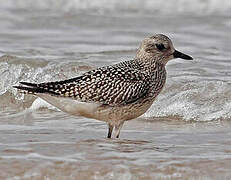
(160, 47)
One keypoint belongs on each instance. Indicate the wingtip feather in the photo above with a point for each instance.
(29, 84)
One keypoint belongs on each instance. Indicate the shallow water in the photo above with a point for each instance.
(186, 134)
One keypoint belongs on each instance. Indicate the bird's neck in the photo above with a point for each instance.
(150, 66)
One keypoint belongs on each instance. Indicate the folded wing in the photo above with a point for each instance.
(110, 85)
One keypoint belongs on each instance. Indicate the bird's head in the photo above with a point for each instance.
(159, 48)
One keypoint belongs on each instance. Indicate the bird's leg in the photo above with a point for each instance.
(117, 129)
(110, 129)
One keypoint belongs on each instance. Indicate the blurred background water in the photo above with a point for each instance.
(186, 134)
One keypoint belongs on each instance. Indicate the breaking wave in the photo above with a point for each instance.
(198, 101)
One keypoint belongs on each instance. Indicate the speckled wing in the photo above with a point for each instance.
(111, 85)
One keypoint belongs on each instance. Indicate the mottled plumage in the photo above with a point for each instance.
(113, 93)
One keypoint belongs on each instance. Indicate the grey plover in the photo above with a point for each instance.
(115, 93)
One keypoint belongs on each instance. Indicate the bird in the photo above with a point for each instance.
(114, 93)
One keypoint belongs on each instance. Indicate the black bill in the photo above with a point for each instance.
(178, 54)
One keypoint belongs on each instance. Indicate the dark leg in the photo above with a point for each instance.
(117, 129)
(110, 129)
